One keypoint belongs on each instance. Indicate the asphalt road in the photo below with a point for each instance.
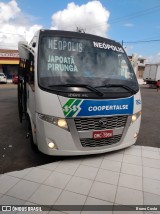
(150, 125)
(15, 150)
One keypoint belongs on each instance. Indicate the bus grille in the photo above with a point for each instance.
(89, 142)
(83, 124)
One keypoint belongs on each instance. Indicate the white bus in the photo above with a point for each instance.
(78, 92)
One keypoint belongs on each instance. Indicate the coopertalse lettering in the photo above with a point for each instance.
(63, 45)
(107, 47)
(107, 108)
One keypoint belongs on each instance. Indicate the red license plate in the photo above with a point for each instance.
(102, 134)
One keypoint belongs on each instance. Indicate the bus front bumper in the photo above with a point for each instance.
(68, 143)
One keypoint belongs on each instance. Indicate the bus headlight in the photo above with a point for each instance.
(60, 122)
(51, 145)
(135, 116)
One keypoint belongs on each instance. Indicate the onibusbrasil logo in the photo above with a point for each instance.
(72, 107)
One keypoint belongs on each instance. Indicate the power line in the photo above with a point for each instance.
(16, 34)
(13, 34)
(142, 41)
(137, 14)
(133, 16)
(119, 19)
(112, 21)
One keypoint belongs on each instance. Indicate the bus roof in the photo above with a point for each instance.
(24, 48)
(46, 32)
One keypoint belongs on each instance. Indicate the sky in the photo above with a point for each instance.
(134, 23)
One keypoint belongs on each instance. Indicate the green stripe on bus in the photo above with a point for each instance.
(76, 108)
(66, 107)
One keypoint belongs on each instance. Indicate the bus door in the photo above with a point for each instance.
(31, 88)
(22, 95)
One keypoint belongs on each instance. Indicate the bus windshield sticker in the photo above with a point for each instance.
(63, 45)
(79, 107)
(107, 46)
(61, 63)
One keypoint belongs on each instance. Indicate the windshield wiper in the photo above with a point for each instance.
(91, 88)
(118, 85)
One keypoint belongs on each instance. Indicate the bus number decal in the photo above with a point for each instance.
(60, 64)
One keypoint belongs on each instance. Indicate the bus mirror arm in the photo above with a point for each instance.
(34, 44)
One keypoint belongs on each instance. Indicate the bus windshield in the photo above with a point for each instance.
(64, 60)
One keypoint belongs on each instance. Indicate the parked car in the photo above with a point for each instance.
(15, 79)
(3, 78)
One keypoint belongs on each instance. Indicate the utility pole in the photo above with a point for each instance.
(25, 35)
(122, 43)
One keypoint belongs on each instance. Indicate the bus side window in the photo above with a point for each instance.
(30, 76)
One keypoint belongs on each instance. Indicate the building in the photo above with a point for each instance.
(138, 65)
(9, 60)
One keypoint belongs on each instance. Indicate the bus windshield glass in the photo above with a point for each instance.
(63, 61)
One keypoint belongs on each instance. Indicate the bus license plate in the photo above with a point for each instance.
(102, 134)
